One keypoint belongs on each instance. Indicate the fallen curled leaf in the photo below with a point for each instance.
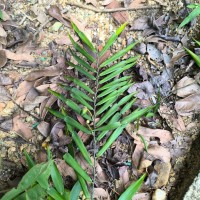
(44, 128)
(185, 87)
(159, 152)
(65, 169)
(21, 128)
(3, 58)
(142, 196)
(54, 11)
(30, 105)
(140, 23)
(24, 88)
(119, 17)
(163, 170)
(100, 193)
(41, 16)
(15, 56)
(188, 105)
(2, 32)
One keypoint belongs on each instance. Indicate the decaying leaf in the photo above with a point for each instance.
(93, 2)
(44, 128)
(140, 23)
(5, 80)
(4, 94)
(64, 40)
(188, 105)
(30, 105)
(142, 196)
(100, 193)
(22, 128)
(41, 16)
(3, 58)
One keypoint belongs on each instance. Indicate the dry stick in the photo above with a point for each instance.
(111, 10)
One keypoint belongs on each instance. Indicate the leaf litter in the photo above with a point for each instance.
(158, 76)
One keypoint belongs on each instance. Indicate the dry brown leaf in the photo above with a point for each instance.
(44, 128)
(137, 3)
(101, 176)
(41, 16)
(65, 169)
(54, 11)
(142, 196)
(140, 23)
(100, 193)
(185, 87)
(5, 79)
(137, 155)
(159, 152)
(163, 170)
(19, 57)
(119, 17)
(30, 105)
(3, 58)
(64, 40)
(24, 88)
(188, 105)
(4, 94)
(2, 32)
(22, 128)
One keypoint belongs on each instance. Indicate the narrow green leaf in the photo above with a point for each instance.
(81, 70)
(108, 114)
(190, 17)
(74, 164)
(112, 88)
(194, 56)
(144, 142)
(57, 179)
(66, 194)
(197, 42)
(114, 119)
(193, 5)
(135, 115)
(118, 55)
(75, 192)
(112, 95)
(109, 127)
(76, 91)
(56, 113)
(81, 100)
(80, 83)
(80, 145)
(12, 194)
(114, 82)
(81, 50)
(119, 65)
(49, 154)
(55, 194)
(84, 187)
(82, 62)
(110, 140)
(132, 189)
(83, 37)
(117, 72)
(112, 39)
(127, 106)
(106, 105)
(126, 99)
(29, 160)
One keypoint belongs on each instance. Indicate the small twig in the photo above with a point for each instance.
(111, 10)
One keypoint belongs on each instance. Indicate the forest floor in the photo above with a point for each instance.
(33, 49)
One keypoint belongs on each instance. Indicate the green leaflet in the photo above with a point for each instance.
(109, 127)
(197, 42)
(112, 39)
(29, 160)
(80, 83)
(74, 194)
(84, 187)
(80, 145)
(82, 62)
(132, 189)
(127, 106)
(118, 55)
(144, 142)
(114, 82)
(81, 50)
(190, 17)
(110, 140)
(55, 194)
(57, 179)
(194, 56)
(81, 70)
(83, 37)
(76, 91)
(73, 163)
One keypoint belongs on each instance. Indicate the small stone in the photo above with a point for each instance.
(159, 195)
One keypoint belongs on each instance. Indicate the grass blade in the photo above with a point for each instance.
(29, 160)
(54, 194)
(84, 187)
(57, 179)
(110, 140)
(132, 189)
(74, 164)
(112, 39)
(109, 127)
(80, 83)
(75, 192)
(83, 37)
(194, 56)
(118, 55)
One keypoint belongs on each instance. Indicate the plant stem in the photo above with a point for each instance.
(94, 126)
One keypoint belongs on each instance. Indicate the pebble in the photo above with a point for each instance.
(159, 195)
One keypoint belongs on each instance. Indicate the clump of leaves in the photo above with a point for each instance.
(193, 55)
(103, 103)
(192, 15)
